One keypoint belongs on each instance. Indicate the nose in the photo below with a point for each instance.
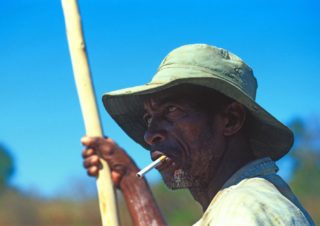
(154, 134)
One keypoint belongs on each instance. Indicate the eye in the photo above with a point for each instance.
(172, 108)
(173, 111)
(147, 119)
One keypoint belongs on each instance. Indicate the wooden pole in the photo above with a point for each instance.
(106, 193)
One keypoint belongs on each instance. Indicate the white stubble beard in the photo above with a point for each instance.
(179, 180)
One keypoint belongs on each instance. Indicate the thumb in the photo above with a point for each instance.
(116, 177)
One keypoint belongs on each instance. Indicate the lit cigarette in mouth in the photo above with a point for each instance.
(152, 165)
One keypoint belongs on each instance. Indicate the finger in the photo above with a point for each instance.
(107, 151)
(88, 152)
(89, 141)
(109, 140)
(91, 161)
(107, 147)
(102, 146)
(93, 171)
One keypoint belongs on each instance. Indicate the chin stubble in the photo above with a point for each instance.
(179, 180)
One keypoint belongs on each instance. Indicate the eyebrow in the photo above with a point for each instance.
(163, 99)
(166, 99)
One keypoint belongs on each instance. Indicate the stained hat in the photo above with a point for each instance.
(211, 67)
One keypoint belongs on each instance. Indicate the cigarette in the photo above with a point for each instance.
(152, 165)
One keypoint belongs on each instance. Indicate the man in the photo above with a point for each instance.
(199, 110)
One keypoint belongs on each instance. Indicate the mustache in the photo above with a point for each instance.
(168, 150)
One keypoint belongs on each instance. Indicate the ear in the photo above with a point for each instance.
(234, 117)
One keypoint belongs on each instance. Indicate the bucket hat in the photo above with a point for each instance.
(211, 67)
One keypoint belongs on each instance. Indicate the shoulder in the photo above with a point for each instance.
(253, 201)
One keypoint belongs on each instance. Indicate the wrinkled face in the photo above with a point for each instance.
(187, 134)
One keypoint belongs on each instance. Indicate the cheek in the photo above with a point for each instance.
(213, 145)
(199, 141)
(190, 136)
(207, 148)
(202, 137)
(203, 150)
(195, 139)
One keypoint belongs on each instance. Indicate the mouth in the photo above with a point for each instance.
(167, 164)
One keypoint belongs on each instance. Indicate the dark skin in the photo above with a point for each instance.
(208, 147)
(138, 196)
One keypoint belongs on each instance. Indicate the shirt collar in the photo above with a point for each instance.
(259, 167)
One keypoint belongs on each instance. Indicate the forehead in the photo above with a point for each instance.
(197, 97)
(187, 95)
(170, 96)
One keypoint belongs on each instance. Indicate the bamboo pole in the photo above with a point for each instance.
(106, 193)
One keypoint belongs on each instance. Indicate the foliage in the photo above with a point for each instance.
(306, 177)
(178, 206)
(6, 167)
(17, 208)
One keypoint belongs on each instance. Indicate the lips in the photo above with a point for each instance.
(156, 154)
(168, 163)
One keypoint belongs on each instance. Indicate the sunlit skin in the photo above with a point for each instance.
(185, 134)
(207, 146)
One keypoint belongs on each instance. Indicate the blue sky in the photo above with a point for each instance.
(40, 118)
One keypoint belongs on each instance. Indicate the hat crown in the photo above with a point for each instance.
(202, 60)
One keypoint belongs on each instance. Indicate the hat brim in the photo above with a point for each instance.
(268, 136)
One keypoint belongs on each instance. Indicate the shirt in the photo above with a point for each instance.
(255, 195)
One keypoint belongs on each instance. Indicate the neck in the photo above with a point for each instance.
(237, 154)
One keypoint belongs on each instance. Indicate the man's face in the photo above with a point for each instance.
(187, 134)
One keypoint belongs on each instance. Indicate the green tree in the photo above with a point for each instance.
(306, 176)
(6, 167)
